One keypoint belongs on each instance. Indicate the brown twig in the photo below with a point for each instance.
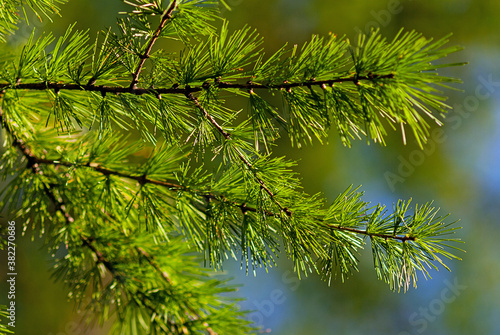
(371, 235)
(167, 14)
(242, 157)
(176, 89)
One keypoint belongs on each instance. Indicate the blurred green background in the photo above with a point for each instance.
(458, 170)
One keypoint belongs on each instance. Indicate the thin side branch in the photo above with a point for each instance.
(152, 262)
(165, 17)
(367, 233)
(242, 157)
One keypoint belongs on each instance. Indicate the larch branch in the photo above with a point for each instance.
(173, 186)
(176, 89)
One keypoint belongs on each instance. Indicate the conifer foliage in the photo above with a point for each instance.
(138, 162)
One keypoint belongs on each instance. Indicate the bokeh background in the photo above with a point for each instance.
(458, 170)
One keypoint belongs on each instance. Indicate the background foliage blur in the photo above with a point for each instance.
(459, 170)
